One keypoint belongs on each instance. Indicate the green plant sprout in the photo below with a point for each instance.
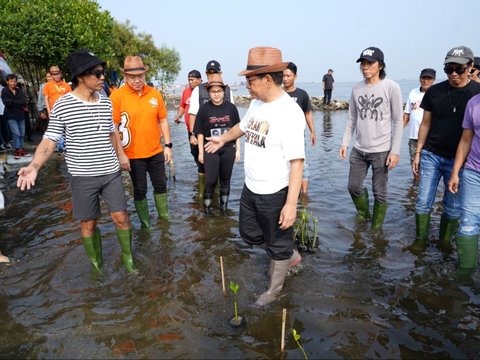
(296, 336)
(234, 287)
(303, 233)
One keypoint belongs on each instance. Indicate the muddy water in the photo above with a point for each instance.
(361, 295)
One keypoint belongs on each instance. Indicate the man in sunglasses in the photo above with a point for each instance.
(438, 137)
(85, 117)
(199, 97)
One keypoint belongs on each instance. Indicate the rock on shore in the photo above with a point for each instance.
(317, 103)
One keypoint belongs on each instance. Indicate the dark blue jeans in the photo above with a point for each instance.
(155, 166)
(259, 215)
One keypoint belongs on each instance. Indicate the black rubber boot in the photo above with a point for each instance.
(207, 202)
(224, 193)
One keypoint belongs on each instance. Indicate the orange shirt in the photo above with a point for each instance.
(138, 118)
(54, 90)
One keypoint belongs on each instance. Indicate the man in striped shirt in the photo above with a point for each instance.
(84, 117)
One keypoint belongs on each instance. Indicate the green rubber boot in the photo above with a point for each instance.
(161, 203)
(93, 247)
(422, 229)
(379, 211)
(467, 248)
(362, 204)
(448, 227)
(143, 214)
(125, 240)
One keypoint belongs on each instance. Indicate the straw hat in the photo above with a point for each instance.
(264, 59)
(133, 65)
(215, 79)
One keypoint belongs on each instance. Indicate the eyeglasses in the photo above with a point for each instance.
(98, 73)
(216, 92)
(252, 79)
(459, 70)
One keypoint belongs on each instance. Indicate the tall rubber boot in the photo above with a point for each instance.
(278, 271)
(448, 227)
(125, 240)
(362, 204)
(422, 229)
(207, 202)
(143, 214)
(467, 248)
(93, 247)
(379, 211)
(201, 185)
(224, 193)
(161, 203)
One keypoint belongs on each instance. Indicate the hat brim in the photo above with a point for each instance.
(265, 69)
(368, 58)
(136, 71)
(456, 60)
(215, 83)
(92, 63)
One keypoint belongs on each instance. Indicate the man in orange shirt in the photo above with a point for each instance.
(52, 91)
(140, 114)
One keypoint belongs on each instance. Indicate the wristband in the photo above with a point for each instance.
(169, 145)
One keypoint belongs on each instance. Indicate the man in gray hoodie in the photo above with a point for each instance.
(375, 118)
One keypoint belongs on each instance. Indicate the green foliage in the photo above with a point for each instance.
(296, 337)
(40, 33)
(306, 230)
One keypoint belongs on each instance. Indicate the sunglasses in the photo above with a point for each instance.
(98, 73)
(459, 70)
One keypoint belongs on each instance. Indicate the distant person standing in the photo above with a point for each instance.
(327, 84)
(438, 137)
(194, 79)
(413, 113)
(375, 119)
(302, 98)
(41, 107)
(52, 91)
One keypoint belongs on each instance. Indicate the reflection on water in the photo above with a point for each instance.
(362, 295)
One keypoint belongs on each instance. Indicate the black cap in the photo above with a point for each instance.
(82, 60)
(371, 54)
(428, 72)
(213, 65)
(195, 74)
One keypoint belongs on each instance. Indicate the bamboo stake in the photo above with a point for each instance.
(223, 276)
(284, 320)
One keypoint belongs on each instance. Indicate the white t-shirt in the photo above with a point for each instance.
(412, 107)
(274, 135)
(195, 100)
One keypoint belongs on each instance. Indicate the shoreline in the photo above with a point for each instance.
(172, 102)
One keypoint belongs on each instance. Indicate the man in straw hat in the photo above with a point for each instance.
(274, 153)
(85, 117)
(141, 117)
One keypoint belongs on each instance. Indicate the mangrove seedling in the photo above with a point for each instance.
(296, 336)
(306, 230)
(236, 320)
(234, 287)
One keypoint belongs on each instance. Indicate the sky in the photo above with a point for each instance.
(314, 34)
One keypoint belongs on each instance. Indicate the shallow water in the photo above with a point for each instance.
(361, 295)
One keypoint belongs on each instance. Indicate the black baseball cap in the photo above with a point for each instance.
(428, 72)
(195, 74)
(213, 65)
(371, 54)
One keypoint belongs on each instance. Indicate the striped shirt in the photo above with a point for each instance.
(86, 127)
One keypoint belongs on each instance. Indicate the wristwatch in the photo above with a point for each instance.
(169, 145)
